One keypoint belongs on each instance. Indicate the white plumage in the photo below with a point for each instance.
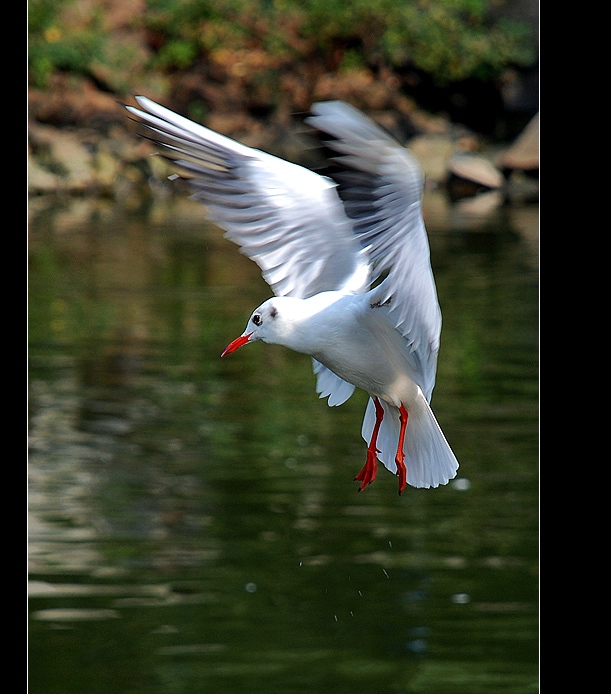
(322, 246)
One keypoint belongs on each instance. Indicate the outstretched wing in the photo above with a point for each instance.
(289, 220)
(380, 183)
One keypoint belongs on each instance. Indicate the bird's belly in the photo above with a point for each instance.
(373, 371)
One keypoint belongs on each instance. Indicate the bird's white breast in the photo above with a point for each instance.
(347, 338)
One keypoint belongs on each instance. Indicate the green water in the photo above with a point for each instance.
(194, 524)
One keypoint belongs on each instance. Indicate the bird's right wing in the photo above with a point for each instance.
(289, 220)
(381, 183)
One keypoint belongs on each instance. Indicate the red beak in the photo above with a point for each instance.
(236, 344)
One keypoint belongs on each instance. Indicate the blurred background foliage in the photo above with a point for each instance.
(449, 40)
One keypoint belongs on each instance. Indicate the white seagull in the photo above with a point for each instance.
(348, 262)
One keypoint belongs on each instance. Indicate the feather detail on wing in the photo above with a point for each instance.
(331, 385)
(287, 219)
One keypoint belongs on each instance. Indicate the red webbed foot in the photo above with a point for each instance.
(368, 474)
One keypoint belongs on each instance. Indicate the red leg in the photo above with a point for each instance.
(400, 457)
(368, 474)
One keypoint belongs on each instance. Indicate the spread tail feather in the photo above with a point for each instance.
(428, 456)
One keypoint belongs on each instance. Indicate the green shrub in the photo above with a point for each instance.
(449, 39)
(53, 44)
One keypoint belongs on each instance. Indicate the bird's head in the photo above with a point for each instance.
(265, 324)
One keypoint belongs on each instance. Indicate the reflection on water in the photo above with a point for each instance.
(194, 526)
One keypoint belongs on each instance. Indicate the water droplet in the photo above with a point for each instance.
(460, 598)
(417, 646)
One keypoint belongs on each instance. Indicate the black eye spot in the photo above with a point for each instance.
(274, 312)
(256, 319)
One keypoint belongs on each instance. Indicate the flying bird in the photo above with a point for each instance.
(348, 262)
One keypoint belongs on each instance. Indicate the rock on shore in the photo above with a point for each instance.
(81, 142)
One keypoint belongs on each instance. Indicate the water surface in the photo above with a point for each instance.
(194, 524)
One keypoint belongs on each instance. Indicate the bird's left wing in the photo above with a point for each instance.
(289, 220)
